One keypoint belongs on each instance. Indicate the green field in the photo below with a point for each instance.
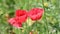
(49, 24)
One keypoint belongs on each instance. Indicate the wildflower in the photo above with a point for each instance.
(36, 13)
(20, 17)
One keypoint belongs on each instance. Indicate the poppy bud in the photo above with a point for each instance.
(46, 4)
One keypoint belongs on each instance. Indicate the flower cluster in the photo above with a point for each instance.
(22, 15)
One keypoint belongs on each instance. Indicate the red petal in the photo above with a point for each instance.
(15, 23)
(21, 12)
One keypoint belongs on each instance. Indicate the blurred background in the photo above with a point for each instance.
(49, 24)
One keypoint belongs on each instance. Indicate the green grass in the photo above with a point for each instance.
(49, 24)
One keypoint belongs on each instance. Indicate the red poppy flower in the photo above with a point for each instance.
(36, 13)
(21, 16)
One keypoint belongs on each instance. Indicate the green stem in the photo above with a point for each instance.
(43, 4)
(20, 31)
(46, 20)
(47, 31)
(26, 30)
